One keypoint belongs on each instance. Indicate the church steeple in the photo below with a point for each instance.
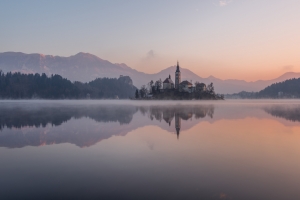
(177, 76)
(177, 69)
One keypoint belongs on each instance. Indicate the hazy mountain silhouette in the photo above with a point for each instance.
(86, 67)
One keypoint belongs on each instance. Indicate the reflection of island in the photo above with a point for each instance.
(87, 125)
(291, 113)
(179, 112)
(177, 125)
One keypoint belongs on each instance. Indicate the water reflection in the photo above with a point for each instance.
(86, 125)
(173, 150)
(288, 112)
(39, 116)
(76, 124)
(179, 112)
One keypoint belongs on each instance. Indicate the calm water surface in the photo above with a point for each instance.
(150, 150)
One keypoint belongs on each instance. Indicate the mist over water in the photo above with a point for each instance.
(150, 149)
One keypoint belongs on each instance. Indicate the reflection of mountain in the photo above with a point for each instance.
(82, 132)
(291, 113)
(41, 125)
(53, 124)
(44, 123)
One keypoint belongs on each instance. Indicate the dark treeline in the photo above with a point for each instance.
(286, 89)
(289, 88)
(28, 86)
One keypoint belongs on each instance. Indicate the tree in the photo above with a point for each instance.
(137, 94)
(150, 85)
(143, 91)
(210, 88)
(200, 87)
(158, 84)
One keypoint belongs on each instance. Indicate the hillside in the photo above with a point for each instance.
(86, 67)
(285, 89)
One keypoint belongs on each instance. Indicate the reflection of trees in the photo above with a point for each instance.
(291, 113)
(183, 112)
(81, 132)
(179, 112)
(18, 117)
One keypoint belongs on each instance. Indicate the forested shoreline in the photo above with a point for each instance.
(36, 86)
(287, 89)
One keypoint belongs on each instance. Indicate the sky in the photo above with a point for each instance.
(228, 39)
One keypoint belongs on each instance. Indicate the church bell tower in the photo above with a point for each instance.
(177, 77)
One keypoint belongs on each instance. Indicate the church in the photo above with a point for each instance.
(184, 86)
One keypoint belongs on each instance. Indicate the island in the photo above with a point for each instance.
(181, 90)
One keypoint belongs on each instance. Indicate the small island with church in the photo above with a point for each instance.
(184, 90)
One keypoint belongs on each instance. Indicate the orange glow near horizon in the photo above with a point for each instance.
(269, 67)
(245, 40)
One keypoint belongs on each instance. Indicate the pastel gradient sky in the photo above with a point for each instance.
(238, 39)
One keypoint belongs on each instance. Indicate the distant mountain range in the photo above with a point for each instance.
(86, 67)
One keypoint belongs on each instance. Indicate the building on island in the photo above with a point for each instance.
(177, 76)
(168, 83)
(184, 86)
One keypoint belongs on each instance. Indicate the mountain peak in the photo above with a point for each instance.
(288, 75)
(82, 54)
(86, 55)
(86, 67)
(123, 65)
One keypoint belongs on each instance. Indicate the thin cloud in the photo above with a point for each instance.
(151, 54)
(288, 68)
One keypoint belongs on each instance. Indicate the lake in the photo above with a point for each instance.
(233, 149)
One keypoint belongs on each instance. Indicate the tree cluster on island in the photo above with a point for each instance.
(177, 90)
(287, 89)
(153, 90)
(36, 86)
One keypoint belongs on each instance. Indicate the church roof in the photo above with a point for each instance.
(177, 69)
(185, 83)
(168, 80)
